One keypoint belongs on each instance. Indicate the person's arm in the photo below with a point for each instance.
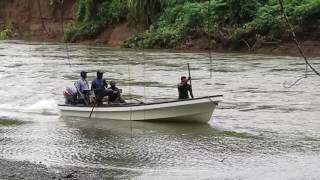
(105, 83)
(93, 85)
(81, 87)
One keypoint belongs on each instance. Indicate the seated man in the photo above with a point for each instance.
(115, 97)
(184, 88)
(99, 86)
(82, 88)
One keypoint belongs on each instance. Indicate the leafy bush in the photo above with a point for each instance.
(178, 23)
(79, 30)
(269, 21)
(308, 14)
(5, 34)
(134, 41)
(112, 11)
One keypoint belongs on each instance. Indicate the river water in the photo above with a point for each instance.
(261, 130)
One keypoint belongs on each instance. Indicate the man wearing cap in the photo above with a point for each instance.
(82, 87)
(184, 88)
(99, 86)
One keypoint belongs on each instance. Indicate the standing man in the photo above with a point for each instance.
(82, 87)
(99, 86)
(184, 88)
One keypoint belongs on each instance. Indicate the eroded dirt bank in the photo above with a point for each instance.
(35, 20)
(38, 20)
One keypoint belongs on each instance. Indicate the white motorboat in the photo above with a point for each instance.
(194, 110)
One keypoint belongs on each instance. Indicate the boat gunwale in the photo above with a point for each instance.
(141, 104)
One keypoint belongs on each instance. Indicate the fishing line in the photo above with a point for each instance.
(62, 28)
(42, 21)
(209, 44)
(294, 38)
(130, 95)
(287, 85)
(144, 86)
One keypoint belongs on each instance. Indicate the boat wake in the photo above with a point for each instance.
(44, 107)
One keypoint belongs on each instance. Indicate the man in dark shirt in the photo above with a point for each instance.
(99, 86)
(115, 97)
(184, 88)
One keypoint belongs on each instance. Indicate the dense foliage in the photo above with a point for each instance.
(4, 34)
(172, 23)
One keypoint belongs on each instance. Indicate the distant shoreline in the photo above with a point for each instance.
(310, 48)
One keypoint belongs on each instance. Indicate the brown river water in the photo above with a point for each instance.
(261, 130)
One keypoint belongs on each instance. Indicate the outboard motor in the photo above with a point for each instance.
(70, 95)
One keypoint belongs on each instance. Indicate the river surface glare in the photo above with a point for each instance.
(261, 130)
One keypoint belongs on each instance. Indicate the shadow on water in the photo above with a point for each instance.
(100, 128)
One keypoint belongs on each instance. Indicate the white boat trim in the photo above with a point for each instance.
(198, 109)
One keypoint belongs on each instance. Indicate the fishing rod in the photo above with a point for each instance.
(294, 38)
(94, 105)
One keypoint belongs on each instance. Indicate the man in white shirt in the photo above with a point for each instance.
(83, 89)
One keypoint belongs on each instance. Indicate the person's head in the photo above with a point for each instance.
(99, 74)
(83, 74)
(183, 79)
(112, 83)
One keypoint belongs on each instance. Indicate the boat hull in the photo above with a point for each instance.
(196, 110)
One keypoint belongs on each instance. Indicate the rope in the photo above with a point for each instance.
(294, 38)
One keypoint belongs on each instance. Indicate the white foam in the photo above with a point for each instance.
(48, 106)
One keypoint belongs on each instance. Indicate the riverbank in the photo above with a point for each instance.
(46, 21)
(28, 170)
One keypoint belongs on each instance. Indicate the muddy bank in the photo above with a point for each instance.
(38, 20)
(27, 170)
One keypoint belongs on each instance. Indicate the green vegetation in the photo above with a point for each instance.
(174, 23)
(5, 34)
